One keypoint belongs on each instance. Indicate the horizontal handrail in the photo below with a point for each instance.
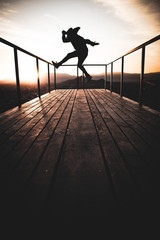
(143, 45)
(22, 50)
(90, 64)
(137, 48)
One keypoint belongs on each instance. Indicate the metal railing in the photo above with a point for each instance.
(75, 65)
(16, 49)
(142, 46)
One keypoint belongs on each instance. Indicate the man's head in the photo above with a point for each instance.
(72, 31)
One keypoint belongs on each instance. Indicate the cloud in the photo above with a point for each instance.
(50, 16)
(4, 20)
(7, 10)
(7, 25)
(152, 6)
(142, 16)
(151, 9)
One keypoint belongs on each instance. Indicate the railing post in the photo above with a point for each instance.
(111, 78)
(17, 77)
(49, 85)
(82, 80)
(142, 76)
(77, 77)
(122, 76)
(38, 82)
(105, 81)
(55, 78)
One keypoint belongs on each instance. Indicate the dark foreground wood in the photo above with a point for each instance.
(80, 155)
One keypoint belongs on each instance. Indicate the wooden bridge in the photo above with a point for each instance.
(80, 153)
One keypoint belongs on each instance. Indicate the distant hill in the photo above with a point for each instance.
(64, 77)
(72, 83)
(129, 77)
(98, 80)
(151, 89)
(61, 77)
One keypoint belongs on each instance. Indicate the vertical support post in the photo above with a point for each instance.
(122, 76)
(105, 80)
(17, 77)
(142, 76)
(38, 82)
(55, 78)
(49, 85)
(111, 78)
(77, 77)
(82, 80)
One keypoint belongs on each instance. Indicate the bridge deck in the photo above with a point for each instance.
(80, 153)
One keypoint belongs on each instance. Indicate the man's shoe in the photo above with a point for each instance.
(55, 64)
(88, 79)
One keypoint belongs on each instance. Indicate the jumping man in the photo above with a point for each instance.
(81, 50)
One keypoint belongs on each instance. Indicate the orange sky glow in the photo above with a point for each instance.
(118, 26)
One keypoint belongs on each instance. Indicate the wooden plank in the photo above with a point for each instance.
(9, 121)
(132, 159)
(15, 109)
(132, 131)
(13, 113)
(14, 126)
(80, 186)
(17, 181)
(19, 151)
(35, 114)
(126, 190)
(20, 114)
(144, 117)
(146, 133)
(131, 118)
(149, 198)
(144, 111)
(32, 128)
(43, 176)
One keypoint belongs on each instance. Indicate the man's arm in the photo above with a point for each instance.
(90, 42)
(64, 38)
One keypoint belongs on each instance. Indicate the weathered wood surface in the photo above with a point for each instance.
(80, 153)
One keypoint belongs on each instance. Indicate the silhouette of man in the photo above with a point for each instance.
(80, 46)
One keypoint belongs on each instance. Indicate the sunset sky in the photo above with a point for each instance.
(118, 25)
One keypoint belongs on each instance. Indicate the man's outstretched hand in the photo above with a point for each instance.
(95, 43)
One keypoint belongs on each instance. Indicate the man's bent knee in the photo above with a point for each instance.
(80, 65)
(70, 55)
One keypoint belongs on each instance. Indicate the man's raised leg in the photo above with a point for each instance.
(69, 56)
